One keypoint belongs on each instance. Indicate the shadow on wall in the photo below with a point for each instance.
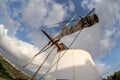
(84, 72)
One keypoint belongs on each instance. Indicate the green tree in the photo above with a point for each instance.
(115, 76)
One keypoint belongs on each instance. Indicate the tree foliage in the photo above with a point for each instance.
(115, 76)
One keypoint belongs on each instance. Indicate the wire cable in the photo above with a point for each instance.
(41, 51)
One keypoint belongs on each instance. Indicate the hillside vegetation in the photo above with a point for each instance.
(8, 72)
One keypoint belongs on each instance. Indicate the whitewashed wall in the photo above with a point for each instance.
(74, 65)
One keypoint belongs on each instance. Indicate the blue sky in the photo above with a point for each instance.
(20, 22)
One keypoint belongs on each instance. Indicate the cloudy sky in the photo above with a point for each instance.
(21, 38)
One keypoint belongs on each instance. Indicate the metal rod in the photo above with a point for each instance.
(51, 40)
(90, 12)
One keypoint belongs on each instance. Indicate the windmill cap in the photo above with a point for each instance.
(96, 18)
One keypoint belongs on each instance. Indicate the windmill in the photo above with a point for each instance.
(83, 22)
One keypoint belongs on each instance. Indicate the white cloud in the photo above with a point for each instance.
(37, 39)
(103, 69)
(19, 52)
(39, 13)
(101, 37)
(71, 6)
(56, 14)
(107, 32)
(32, 14)
(43, 12)
(3, 31)
(7, 20)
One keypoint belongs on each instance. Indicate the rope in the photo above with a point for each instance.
(61, 56)
(43, 62)
(42, 50)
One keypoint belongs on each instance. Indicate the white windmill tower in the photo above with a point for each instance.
(76, 64)
(70, 64)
